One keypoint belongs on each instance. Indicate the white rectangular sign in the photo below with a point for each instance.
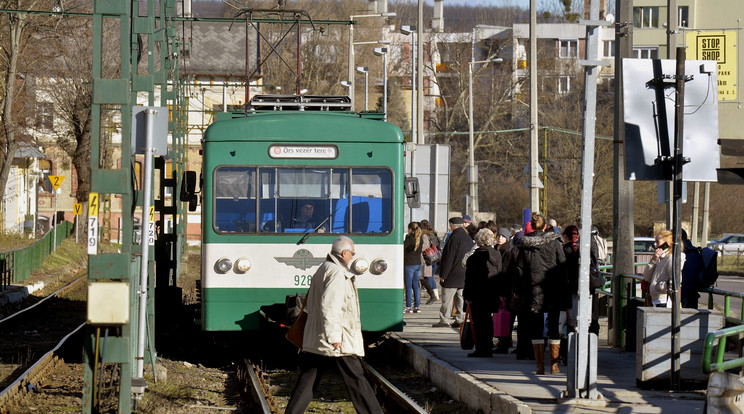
(92, 235)
(303, 151)
(648, 95)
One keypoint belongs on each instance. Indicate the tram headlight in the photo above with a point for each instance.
(378, 266)
(359, 266)
(223, 265)
(242, 265)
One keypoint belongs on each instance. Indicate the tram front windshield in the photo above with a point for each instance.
(254, 199)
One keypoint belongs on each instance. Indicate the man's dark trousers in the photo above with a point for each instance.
(312, 367)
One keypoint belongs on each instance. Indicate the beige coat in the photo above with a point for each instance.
(659, 275)
(426, 270)
(333, 312)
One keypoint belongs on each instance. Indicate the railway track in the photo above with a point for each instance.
(257, 392)
(30, 379)
(30, 338)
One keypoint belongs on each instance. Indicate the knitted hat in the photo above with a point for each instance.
(504, 232)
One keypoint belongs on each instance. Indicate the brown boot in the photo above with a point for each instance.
(555, 349)
(539, 347)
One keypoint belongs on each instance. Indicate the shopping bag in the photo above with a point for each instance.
(502, 322)
(467, 333)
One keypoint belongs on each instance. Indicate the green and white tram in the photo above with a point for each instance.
(279, 185)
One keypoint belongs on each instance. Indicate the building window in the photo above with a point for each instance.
(564, 84)
(646, 52)
(683, 16)
(646, 17)
(568, 48)
(45, 115)
(608, 48)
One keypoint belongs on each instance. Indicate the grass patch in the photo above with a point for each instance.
(12, 240)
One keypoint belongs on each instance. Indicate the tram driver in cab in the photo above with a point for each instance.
(306, 219)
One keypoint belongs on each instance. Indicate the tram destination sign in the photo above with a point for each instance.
(303, 151)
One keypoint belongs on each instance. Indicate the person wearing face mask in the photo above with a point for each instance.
(658, 271)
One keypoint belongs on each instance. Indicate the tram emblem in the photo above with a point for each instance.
(302, 259)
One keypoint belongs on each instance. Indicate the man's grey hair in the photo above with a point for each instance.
(457, 225)
(484, 237)
(342, 243)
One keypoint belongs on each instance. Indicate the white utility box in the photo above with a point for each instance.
(108, 303)
(654, 345)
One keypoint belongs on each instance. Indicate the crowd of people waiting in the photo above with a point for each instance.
(533, 273)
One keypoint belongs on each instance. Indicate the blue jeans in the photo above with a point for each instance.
(411, 280)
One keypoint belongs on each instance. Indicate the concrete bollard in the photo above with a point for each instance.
(724, 394)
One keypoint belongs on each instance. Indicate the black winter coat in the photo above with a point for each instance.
(539, 263)
(412, 255)
(450, 269)
(481, 275)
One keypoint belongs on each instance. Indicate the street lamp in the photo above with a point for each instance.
(472, 205)
(351, 47)
(365, 71)
(382, 51)
(411, 30)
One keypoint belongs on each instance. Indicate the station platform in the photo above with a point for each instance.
(502, 384)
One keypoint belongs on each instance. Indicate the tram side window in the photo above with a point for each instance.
(235, 199)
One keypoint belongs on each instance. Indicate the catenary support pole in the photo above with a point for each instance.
(144, 259)
(583, 382)
(679, 161)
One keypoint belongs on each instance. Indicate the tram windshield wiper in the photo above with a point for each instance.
(307, 234)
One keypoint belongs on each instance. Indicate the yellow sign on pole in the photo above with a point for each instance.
(77, 209)
(56, 180)
(93, 204)
(718, 45)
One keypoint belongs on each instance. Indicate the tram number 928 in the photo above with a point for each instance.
(302, 280)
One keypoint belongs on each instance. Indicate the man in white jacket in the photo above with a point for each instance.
(333, 334)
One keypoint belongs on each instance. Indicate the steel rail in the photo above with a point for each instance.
(254, 388)
(68, 286)
(10, 391)
(391, 391)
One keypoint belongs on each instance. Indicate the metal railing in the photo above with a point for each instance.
(17, 265)
(630, 293)
(720, 365)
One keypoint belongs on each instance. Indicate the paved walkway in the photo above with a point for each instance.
(517, 387)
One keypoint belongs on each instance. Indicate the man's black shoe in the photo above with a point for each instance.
(477, 354)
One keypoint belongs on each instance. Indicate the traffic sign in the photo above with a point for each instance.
(719, 46)
(77, 209)
(93, 202)
(56, 180)
(151, 227)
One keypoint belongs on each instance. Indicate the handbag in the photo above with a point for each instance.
(297, 330)
(432, 255)
(502, 321)
(596, 280)
(467, 333)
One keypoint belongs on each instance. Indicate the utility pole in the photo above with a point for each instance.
(582, 353)
(420, 73)
(534, 179)
(671, 31)
(622, 201)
